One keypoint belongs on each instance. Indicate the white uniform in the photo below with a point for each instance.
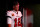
(13, 15)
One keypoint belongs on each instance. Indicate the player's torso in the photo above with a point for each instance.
(14, 14)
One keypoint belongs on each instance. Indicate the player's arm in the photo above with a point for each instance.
(20, 16)
(8, 19)
(9, 22)
(9, 25)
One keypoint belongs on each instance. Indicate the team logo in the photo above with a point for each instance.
(12, 14)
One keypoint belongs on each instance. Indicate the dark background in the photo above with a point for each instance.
(7, 5)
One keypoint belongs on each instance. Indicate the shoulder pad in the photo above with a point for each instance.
(19, 11)
(9, 11)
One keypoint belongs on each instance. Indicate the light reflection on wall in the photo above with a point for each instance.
(28, 18)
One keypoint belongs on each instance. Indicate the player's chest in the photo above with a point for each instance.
(15, 14)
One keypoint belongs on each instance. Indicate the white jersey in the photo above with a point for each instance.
(13, 14)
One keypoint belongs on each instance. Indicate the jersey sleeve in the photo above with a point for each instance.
(9, 20)
(8, 13)
(20, 14)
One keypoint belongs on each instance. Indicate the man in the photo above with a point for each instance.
(14, 16)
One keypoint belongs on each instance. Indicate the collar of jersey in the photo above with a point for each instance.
(14, 11)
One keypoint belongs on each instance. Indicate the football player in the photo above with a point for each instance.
(14, 16)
